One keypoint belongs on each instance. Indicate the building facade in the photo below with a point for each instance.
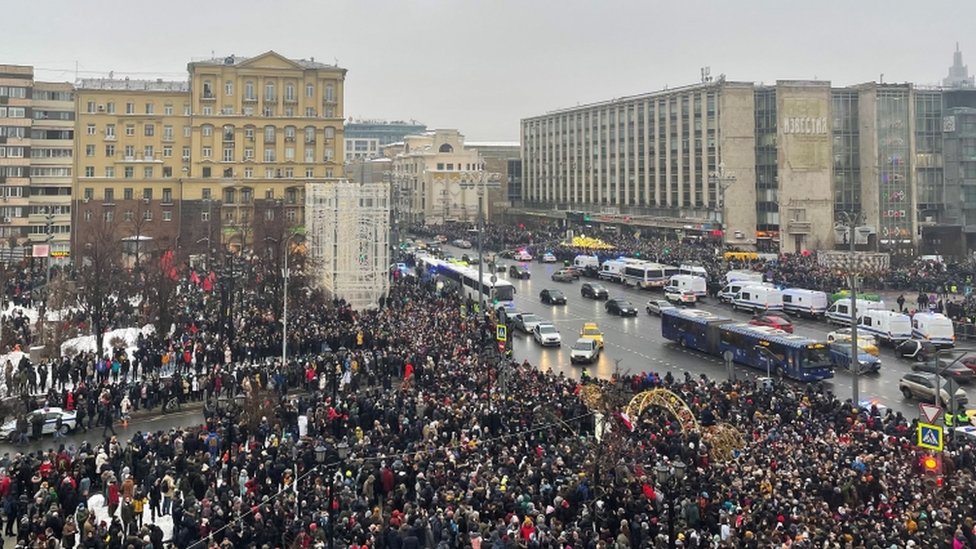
(359, 148)
(795, 159)
(36, 150)
(381, 131)
(436, 178)
(216, 162)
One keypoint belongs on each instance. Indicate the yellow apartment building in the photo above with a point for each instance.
(217, 162)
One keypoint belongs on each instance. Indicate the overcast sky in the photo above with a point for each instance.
(481, 66)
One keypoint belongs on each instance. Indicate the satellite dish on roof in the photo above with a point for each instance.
(229, 60)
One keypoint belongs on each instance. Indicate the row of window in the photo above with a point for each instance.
(11, 152)
(15, 132)
(269, 90)
(13, 112)
(13, 91)
(52, 115)
(207, 130)
(44, 152)
(149, 172)
(109, 215)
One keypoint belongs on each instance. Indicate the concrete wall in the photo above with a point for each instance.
(867, 113)
(737, 150)
(805, 165)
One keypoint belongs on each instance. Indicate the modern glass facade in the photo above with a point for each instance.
(767, 172)
(928, 156)
(846, 151)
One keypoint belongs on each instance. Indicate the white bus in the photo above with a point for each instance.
(648, 274)
(500, 293)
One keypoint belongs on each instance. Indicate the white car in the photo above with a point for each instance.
(522, 255)
(547, 335)
(525, 322)
(682, 296)
(584, 350)
(68, 422)
(655, 306)
(548, 258)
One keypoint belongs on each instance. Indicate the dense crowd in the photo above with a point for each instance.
(430, 439)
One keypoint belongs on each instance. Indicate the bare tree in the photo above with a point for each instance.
(161, 275)
(103, 280)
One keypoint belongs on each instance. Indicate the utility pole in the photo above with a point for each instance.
(850, 220)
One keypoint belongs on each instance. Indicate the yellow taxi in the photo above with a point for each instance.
(591, 331)
(865, 342)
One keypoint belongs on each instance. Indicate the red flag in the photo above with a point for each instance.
(173, 274)
(207, 285)
(195, 278)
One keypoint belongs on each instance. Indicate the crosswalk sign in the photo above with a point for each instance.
(501, 332)
(930, 436)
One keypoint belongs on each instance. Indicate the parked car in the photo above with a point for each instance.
(619, 306)
(519, 272)
(552, 297)
(463, 244)
(681, 296)
(655, 306)
(525, 322)
(563, 275)
(547, 257)
(865, 342)
(547, 335)
(585, 351)
(774, 321)
(916, 349)
(840, 355)
(50, 415)
(522, 255)
(921, 385)
(960, 373)
(591, 330)
(594, 290)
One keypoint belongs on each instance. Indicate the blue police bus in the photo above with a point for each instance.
(792, 356)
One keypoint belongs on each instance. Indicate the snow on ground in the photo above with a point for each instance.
(97, 505)
(77, 345)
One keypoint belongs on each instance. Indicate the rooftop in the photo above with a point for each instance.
(133, 85)
(238, 59)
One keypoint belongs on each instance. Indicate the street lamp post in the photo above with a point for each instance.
(285, 273)
(849, 220)
(723, 180)
(671, 478)
(482, 181)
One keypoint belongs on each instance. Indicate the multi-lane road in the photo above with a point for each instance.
(634, 344)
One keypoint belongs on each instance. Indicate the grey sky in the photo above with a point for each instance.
(480, 66)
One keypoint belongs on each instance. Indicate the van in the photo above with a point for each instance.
(727, 294)
(696, 284)
(758, 299)
(840, 311)
(887, 326)
(696, 270)
(582, 262)
(743, 276)
(613, 270)
(800, 302)
(934, 327)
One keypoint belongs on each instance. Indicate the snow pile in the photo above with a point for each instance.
(82, 344)
(97, 505)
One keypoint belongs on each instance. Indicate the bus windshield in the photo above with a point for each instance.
(505, 293)
(817, 356)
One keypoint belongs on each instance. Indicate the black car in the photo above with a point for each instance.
(552, 297)
(916, 349)
(520, 272)
(593, 290)
(620, 307)
(959, 372)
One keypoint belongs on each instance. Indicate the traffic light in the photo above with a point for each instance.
(932, 470)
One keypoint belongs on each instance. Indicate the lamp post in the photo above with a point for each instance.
(671, 478)
(321, 453)
(723, 180)
(849, 220)
(480, 182)
(285, 273)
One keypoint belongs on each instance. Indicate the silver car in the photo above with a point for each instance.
(655, 306)
(50, 416)
(921, 385)
(547, 335)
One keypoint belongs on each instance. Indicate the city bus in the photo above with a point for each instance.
(464, 279)
(792, 356)
(648, 275)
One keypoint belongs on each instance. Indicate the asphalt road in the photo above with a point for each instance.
(635, 344)
(191, 414)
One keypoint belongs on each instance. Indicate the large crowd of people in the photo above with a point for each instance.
(402, 427)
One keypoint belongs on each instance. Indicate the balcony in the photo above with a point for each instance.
(291, 100)
(208, 96)
(250, 99)
(798, 227)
